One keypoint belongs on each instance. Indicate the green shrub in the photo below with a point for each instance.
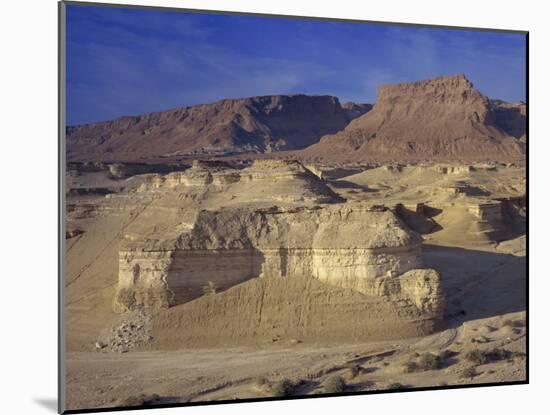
(334, 384)
(395, 386)
(430, 361)
(476, 356)
(282, 388)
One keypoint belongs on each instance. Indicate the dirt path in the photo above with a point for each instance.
(100, 379)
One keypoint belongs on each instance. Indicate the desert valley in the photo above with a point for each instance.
(295, 245)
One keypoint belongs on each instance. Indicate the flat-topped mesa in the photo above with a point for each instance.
(444, 88)
(361, 248)
(444, 118)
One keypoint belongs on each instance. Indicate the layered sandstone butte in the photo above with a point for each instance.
(365, 249)
(269, 242)
(256, 125)
(442, 118)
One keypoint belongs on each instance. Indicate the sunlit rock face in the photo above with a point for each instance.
(363, 248)
(443, 118)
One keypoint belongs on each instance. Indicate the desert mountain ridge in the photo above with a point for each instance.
(260, 124)
(444, 118)
(440, 118)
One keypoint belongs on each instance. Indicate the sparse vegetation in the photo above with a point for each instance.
(476, 356)
(430, 361)
(468, 373)
(282, 388)
(427, 361)
(410, 367)
(494, 355)
(497, 354)
(334, 384)
(396, 386)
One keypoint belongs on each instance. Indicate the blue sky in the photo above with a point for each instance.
(133, 61)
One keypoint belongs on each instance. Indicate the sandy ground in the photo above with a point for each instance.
(484, 283)
(485, 312)
(198, 375)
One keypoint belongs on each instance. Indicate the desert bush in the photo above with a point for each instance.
(468, 373)
(334, 384)
(395, 386)
(476, 356)
(282, 388)
(497, 354)
(410, 367)
(507, 323)
(429, 361)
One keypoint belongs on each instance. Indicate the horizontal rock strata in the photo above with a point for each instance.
(361, 248)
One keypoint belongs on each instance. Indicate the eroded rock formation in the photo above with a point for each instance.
(441, 118)
(256, 125)
(363, 248)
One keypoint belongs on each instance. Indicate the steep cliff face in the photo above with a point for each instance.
(366, 249)
(442, 118)
(258, 125)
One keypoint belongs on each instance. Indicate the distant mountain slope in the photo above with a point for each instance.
(510, 117)
(441, 118)
(258, 125)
